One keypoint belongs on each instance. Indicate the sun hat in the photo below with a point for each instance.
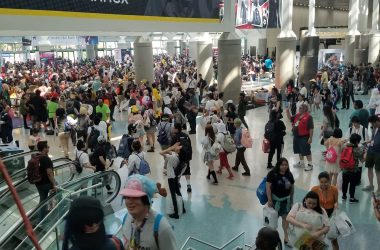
(139, 186)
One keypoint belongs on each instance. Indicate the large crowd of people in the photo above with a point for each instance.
(77, 101)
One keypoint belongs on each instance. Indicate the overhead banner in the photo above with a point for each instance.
(257, 14)
(164, 10)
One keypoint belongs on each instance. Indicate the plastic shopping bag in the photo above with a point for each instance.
(333, 232)
(339, 181)
(270, 217)
(344, 224)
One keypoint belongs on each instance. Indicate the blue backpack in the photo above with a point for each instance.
(124, 149)
(261, 191)
(156, 226)
(143, 167)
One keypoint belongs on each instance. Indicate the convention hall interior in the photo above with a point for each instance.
(189, 124)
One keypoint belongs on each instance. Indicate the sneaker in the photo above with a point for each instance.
(189, 188)
(246, 174)
(344, 198)
(235, 169)
(368, 188)
(299, 165)
(215, 183)
(219, 172)
(353, 200)
(309, 167)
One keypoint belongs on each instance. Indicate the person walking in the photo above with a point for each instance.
(242, 108)
(210, 154)
(240, 158)
(274, 133)
(280, 192)
(63, 130)
(334, 143)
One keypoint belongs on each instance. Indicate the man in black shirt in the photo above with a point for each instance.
(47, 183)
(98, 159)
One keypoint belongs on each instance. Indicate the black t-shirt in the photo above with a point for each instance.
(99, 152)
(281, 184)
(45, 164)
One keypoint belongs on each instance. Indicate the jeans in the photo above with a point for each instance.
(240, 158)
(174, 191)
(43, 192)
(349, 178)
(273, 147)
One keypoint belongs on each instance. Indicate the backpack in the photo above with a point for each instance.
(162, 136)
(186, 147)
(93, 137)
(229, 144)
(143, 167)
(76, 163)
(110, 151)
(246, 139)
(156, 226)
(33, 169)
(347, 159)
(125, 149)
(331, 155)
(67, 126)
(261, 191)
(93, 159)
(269, 131)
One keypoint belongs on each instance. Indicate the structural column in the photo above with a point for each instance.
(229, 74)
(262, 48)
(91, 51)
(204, 59)
(193, 50)
(170, 48)
(374, 38)
(309, 49)
(143, 60)
(286, 47)
(352, 37)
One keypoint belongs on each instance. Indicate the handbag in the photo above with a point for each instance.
(333, 232)
(270, 217)
(344, 224)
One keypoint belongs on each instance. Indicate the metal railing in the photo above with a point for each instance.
(187, 244)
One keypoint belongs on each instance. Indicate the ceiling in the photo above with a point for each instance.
(335, 4)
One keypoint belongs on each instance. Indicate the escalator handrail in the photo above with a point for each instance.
(10, 157)
(23, 170)
(66, 186)
(26, 179)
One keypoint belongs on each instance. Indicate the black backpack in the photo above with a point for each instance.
(125, 149)
(76, 163)
(185, 142)
(269, 131)
(93, 137)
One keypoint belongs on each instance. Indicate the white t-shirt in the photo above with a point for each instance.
(134, 161)
(166, 239)
(83, 160)
(210, 104)
(303, 91)
(168, 111)
(102, 128)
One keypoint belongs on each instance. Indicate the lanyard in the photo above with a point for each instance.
(135, 235)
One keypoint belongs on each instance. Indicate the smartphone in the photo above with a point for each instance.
(374, 197)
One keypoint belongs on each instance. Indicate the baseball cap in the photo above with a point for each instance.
(139, 186)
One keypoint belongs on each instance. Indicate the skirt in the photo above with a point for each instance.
(209, 157)
(332, 168)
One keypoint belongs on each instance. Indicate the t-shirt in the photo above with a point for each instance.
(268, 64)
(101, 127)
(83, 161)
(281, 185)
(363, 116)
(134, 161)
(326, 200)
(45, 164)
(52, 107)
(99, 152)
(172, 163)
(374, 146)
(104, 110)
(166, 239)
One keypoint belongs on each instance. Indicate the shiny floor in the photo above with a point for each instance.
(215, 214)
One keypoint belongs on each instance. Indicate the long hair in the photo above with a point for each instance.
(278, 164)
(327, 111)
(313, 195)
(209, 131)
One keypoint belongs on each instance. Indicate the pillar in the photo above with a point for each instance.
(143, 60)
(309, 49)
(363, 16)
(204, 59)
(183, 47)
(286, 47)
(91, 51)
(170, 48)
(193, 50)
(374, 38)
(352, 37)
(360, 56)
(262, 48)
(229, 74)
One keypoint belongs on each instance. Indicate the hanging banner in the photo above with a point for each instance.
(257, 14)
(164, 10)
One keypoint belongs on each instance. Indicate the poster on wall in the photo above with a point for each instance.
(47, 58)
(126, 55)
(257, 14)
(330, 58)
(124, 9)
(91, 40)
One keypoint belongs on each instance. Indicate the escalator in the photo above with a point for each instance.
(49, 229)
(9, 214)
(20, 175)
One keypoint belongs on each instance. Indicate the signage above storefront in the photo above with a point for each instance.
(149, 10)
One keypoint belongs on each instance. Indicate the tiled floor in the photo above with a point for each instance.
(217, 213)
